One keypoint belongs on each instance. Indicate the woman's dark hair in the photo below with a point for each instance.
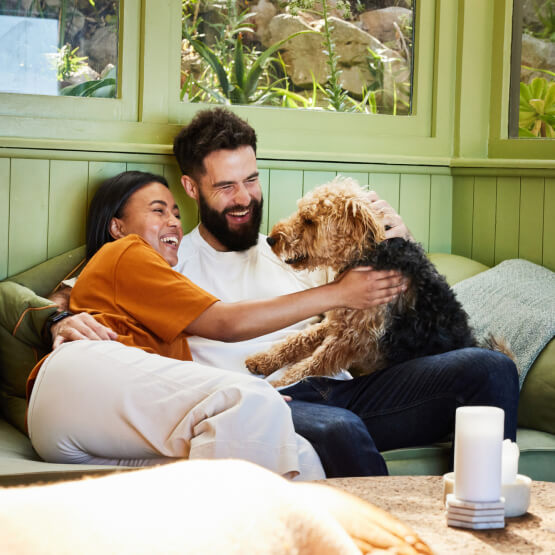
(109, 201)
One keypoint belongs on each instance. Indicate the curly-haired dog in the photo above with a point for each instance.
(335, 227)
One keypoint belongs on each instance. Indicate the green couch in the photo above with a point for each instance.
(22, 313)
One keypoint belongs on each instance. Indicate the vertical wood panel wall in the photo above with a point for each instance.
(43, 205)
(497, 218)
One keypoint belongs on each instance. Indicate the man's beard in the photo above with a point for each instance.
(232, 239)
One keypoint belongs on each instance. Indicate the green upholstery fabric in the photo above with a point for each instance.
(536, 408)
(43, 278)
(455, 268)
(22, 317)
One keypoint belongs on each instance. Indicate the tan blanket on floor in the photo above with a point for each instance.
(208, 507)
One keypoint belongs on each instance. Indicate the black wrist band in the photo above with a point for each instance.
(51, 320)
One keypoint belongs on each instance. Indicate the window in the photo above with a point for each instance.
(343, 56)
(532, 94)
(62, 47)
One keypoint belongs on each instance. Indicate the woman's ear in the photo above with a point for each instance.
(116, 228)
(190, 187)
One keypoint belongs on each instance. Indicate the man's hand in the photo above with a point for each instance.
(364, 287)
(80, 326)
(394, 225)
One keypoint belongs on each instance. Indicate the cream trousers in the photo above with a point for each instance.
(101, 402)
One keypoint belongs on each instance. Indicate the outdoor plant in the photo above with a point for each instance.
(537, 109)
(67, 62)
(105, 87)
(234, 73)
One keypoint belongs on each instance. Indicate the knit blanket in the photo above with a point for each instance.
(514, 300)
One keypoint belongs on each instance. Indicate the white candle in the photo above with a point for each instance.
(478, 448)
(509, 462)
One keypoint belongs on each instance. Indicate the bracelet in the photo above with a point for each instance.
(53, 319)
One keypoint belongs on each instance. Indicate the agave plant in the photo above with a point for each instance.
(537, 109)
(239, 82)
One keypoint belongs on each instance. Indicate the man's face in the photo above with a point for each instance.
(230, 199)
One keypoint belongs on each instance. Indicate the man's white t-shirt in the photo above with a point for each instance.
(256, 273)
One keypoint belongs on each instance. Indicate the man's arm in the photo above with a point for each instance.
(78, 326)
(394, 224)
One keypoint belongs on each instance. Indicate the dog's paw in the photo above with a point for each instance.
(260, 363)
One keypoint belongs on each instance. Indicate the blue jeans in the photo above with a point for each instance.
(410, 404)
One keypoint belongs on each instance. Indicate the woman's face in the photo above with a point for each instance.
(151, 212)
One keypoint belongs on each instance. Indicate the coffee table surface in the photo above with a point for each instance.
(418, 502)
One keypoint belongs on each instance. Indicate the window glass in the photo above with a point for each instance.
(532, 106)
(350, 56)
(59, 47)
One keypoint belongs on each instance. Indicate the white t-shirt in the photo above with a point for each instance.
(237, 276)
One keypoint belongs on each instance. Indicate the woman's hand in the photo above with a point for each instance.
(364, 287)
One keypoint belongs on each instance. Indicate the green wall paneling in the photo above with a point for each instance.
(187, 206)
(414, 206)
(360, 177)
(28, 230)
(98, 172)
(4, 215)
(157, 169)
(286, 187)
(507, 218)
(463, 205)
(549, 224)
(264, 177)
(441, 214)
(387, 185)
(312, 179)
(531, 219)
(483, 232)
(67, 205)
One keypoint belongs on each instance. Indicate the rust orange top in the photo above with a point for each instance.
(130, 288)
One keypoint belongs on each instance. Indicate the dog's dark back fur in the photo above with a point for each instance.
(435, 322)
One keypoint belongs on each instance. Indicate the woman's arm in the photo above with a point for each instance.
(358, 288)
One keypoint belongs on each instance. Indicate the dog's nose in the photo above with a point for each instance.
(271, 241)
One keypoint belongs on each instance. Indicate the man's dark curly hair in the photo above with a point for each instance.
(210, 130)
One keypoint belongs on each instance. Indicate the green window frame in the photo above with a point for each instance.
(500, 145)
(27, 116)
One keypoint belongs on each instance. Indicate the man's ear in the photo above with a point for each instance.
(190, 187)
(116, 228)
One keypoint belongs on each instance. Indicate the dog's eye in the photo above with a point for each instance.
(308, 221)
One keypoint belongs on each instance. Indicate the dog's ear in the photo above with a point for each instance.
(365, 223)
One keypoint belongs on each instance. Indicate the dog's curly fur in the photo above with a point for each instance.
(335, 227)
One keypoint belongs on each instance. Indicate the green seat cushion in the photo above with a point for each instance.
(22, 318)
(455, 268)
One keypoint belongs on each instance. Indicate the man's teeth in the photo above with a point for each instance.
(170, 240)
(239, 214)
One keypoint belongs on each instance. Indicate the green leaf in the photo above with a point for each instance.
(522, 132)
(537, 87)
(239, 65)
(212, 60)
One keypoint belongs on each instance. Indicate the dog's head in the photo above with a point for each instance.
(333, 226)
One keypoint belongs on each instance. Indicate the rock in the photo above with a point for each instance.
(304, 55)
(538, 54)
(102, 47)
(381, 23)
(263, 12)
(301, 54)
(84, 73)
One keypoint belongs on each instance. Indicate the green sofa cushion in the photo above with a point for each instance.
(22, 318)
(536, 408)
